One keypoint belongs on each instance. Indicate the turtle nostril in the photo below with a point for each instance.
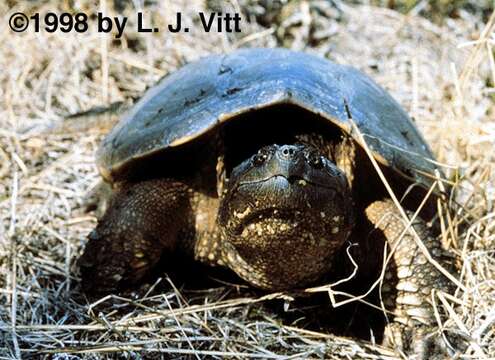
(288, 151)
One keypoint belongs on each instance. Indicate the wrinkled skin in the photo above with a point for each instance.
(285, 197)
(282, 221)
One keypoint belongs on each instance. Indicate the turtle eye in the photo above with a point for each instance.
(260, 158)
(315, 160)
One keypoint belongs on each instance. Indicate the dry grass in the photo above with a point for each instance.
(444, 77)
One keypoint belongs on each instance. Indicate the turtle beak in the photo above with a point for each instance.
(287, 162)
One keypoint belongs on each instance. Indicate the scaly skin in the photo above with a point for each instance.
(139, 224)
(409, 281)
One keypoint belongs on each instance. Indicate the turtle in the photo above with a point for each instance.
(267, 161)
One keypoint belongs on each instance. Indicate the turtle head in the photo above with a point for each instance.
(286, 212)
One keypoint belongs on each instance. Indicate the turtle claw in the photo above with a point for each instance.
(101, 271)
(111, 263)
(420, 342)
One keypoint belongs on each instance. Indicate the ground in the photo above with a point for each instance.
(443, 73)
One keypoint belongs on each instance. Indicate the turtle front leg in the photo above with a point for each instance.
(409, 281)
(142, 221)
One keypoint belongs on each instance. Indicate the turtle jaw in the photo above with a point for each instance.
(282, 249)
(283, 220)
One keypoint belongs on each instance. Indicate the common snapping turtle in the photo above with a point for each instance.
(250, 161)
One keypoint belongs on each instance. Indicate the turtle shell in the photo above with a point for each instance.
(206, 93)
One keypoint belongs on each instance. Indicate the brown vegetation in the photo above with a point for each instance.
(443, 75)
